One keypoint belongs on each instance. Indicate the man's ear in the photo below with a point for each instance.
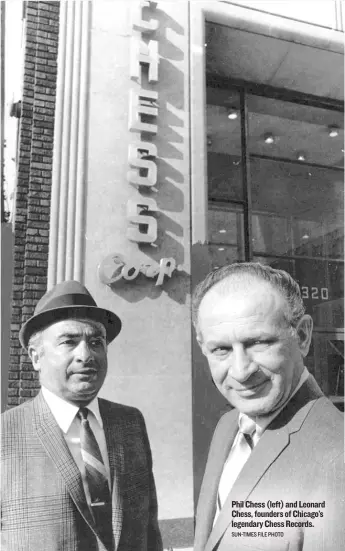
(304, 331)
(34, 356)
(200, 341)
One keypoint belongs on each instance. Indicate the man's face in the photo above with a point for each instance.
(255, 358)
(71, 356)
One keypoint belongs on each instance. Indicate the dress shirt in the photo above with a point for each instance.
(65, 416)
(262, 423)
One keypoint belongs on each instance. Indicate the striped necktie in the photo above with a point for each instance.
(96, 477)
(238, 456)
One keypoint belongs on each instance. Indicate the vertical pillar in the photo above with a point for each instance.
(68, 187)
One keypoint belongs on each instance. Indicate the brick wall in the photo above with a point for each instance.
(32, 206)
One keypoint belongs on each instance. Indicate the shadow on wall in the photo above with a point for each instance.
(177, 288)
(172, 145)
(208, 404)
(172, 185)
(171, 139)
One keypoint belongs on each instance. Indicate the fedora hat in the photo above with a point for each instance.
(65, 300)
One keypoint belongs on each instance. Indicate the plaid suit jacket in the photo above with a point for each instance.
(43, 505)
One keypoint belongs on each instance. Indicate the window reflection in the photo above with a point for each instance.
(271, 234)
(295, 181)
(295, 128)
(298, 206)
(225, 230)
(224, 169)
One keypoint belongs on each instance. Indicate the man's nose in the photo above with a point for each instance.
(83, 352)
(242, 365)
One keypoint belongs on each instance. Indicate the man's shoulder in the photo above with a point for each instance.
(119, 410)
(17, 425)
(326, 418)
(323, 413)
(318, 426)
(328, 408)
(17, 412)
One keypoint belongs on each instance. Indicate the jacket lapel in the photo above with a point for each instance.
(56, 448)
(275, 438)
(114, 440)
(209, 489)
(264, 454)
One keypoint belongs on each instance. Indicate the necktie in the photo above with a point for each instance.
(96, 478)
(237, 458)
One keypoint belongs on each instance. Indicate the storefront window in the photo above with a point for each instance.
(225, 230)
(287, 200)
(224, 168)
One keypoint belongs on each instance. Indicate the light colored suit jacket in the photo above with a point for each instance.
(43, 505)
(300, 457)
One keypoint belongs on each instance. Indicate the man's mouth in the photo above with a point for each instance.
(252, 389)
(86, 371)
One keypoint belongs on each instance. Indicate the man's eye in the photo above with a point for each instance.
(97, 342)
(261, 342)
(220, 351)
(68, 342)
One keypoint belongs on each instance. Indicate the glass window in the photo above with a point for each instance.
(271, 233)
(224, 169)
(294, 180)
(326, 362)
(225, 231)
(296, 176)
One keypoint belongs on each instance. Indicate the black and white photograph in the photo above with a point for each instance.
(172, 275)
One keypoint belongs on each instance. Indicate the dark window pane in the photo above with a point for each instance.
(224, 177)
(326, 362)
(224, 168)
(225, 234)
(295, 154)
(271, 234)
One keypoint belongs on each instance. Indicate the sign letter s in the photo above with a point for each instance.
(136, 213)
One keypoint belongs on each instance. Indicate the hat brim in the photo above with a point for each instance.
(111, 321)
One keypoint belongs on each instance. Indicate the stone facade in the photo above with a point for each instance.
(32, 203)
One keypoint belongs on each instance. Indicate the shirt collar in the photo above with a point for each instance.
(263, 422)
(65, 412)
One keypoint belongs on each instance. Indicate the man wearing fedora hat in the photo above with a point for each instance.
(76, 469)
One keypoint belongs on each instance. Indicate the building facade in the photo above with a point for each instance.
(158, 140)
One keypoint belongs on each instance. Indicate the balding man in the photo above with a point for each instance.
(76, 470)
(274, 479)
